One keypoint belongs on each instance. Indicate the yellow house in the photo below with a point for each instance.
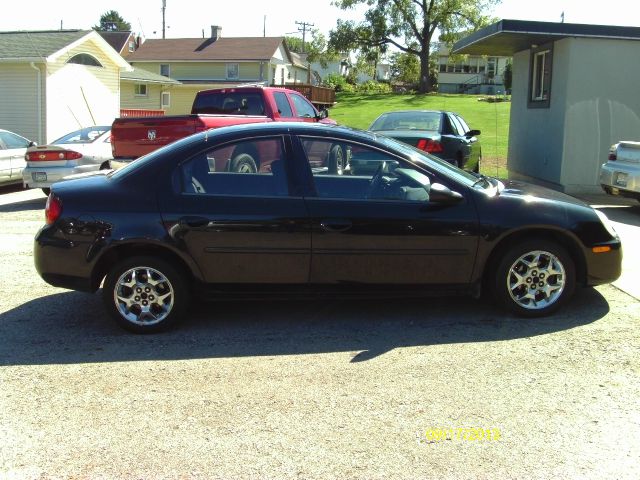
(54, 82)
(204, 63)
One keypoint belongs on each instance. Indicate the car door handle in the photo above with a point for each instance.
(194, 221)
(335, 225)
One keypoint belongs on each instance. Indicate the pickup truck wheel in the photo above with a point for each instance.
(145, 294)
(244, 163)
(336, 160)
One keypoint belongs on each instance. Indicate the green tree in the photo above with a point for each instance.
(111, 21)
(405, 68)
(408, 25)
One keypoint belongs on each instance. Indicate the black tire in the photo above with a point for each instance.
(459, 161)
(538, 281)
(105, 166)
(166, 281)
(46, 191)
(244, 163)
(336, 164)
(476, 169)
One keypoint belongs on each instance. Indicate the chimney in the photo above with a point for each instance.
(216, 32)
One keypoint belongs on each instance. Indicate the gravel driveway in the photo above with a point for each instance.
(310, 389)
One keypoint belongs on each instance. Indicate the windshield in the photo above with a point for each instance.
(442, 166)
(408, 121)
(86, 135)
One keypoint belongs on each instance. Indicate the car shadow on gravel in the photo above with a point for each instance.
(72, 327)
(629, 215)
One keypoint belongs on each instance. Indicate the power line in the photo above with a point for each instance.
(303, 28)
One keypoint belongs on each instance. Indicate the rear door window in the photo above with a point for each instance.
(252, 167)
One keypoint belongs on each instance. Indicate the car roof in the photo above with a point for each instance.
(298, 128)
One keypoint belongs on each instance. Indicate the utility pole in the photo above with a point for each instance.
(164, 7)
(303, 28)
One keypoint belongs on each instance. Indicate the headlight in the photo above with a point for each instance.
(608, 225)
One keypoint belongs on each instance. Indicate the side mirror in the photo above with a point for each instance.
(472, 133)
(324, 113)
(32, 144)
(439, 193)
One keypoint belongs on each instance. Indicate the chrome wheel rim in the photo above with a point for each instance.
(536, 280)
(245, 168)
(143, 296)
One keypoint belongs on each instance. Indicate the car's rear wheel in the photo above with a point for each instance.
(244, 163)
(145, 294)
(534, 278)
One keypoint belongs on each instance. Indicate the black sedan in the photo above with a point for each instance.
(178, 222)
(443, 134)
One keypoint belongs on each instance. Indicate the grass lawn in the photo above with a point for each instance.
(359, 110)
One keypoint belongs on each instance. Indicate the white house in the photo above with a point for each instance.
(470, 73)
(52, 82)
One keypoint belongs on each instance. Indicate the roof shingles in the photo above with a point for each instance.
(41, 44)
(207, 49)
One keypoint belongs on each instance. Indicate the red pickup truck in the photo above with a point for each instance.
(134, 137)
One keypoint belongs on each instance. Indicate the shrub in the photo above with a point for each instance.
(372, 86)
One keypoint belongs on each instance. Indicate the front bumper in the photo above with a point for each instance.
(619, 178)
(44, 177)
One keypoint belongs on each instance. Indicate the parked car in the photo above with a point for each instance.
(443, 134)
(12, 150)
(621, 174)
(82, 151)
(177, 222)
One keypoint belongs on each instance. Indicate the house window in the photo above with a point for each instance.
(140, 90)
(165, 70)
(85, 59)
(132, 46)
(233, 71)
(540, 80)
(165, 100)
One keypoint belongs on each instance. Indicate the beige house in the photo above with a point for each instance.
(52, 82)
(145, 93)
(202, 63)
(574, 94)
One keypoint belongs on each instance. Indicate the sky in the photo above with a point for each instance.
(188, 18)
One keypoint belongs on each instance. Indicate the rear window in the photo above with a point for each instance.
(229, 103)
(408, 121)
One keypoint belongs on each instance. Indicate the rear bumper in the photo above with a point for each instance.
(61, 262)
(619, 178)
(53, 174)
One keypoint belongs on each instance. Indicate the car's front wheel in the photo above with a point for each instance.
(534, 278)
(145, 294)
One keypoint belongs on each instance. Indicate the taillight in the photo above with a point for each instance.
(53, 209)
(429, 145)
(52, 155)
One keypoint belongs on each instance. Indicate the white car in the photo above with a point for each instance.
(621, 174)
(82, 151)
(12, 150)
